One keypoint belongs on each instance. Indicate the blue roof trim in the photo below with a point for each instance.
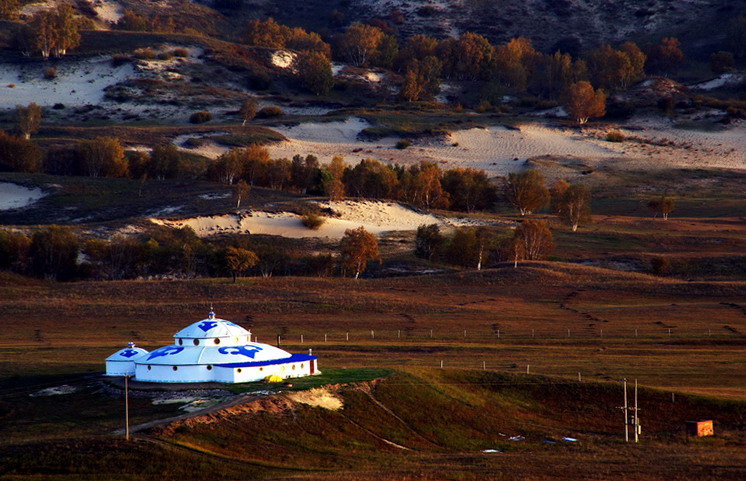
(286, 360)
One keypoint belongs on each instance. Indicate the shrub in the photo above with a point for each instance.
(50, 73)
(58, 106)
(260, 81)
(426, 11)
(403, 144)
(146, 53)
(200, 117)
(180, 52)
(312, 219)
(615, 136)
(165, 56)
(269, 112)
(660, 265)
(119, 59)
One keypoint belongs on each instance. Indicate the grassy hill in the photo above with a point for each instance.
(415, 424)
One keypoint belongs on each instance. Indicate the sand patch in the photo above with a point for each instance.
(14, 196)
(318, 397)
(77, 82)
(497, 150)
(375, 217)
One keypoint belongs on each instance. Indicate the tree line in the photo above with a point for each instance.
(59, 253)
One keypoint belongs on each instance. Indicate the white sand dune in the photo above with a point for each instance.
(499, 150)
(77, 83)
(14, 196)
(375, 217)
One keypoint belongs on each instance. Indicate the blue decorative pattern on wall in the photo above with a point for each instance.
(248, 351)
(207, 325)
(165, 351)
(128, 353)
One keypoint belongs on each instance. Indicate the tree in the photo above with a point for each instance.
(248, 110)
(583, 102)
(515, 61)
(229, 166)
(556, 192)
(666, 57)
(54, 253)
(19, 155)
(278, 173)
(331, 178)
(527, 191)
(426, 189)
(29, 119)
(102, 157)
(370, 179)
(463, 248)
(359, 43)
(428, 241)
(473, 57)
(664, 206)
(14, 251)
(721, 62)
(165, 162)
(241, 191)
(468, 189)
(422, 80)
(574, 205)
(132, 22)
(357, 247)
(67, 28)
(55, 31)
(239, 260)
(315, 71)
(532, 240)
(9, 9)
(264, 34)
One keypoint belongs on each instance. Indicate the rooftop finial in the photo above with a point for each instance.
(131, 344)
(211, 315)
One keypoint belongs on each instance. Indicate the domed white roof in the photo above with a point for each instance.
(212, 327)
(211, 354)
(128, 354)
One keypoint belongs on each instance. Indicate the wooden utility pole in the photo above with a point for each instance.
(626, 414)
(637, 419)
(126, 408)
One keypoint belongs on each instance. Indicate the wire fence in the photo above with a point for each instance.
(496, 335)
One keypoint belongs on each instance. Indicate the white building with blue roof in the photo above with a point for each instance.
(210, 350)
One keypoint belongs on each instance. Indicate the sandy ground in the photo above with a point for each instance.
(375, 217)
(498, 150)
(78, 83)
(14, 196)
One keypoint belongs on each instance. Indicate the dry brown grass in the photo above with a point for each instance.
(618, 322)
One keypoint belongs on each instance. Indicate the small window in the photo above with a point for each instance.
(149, 368)
(238, 370)
(235, 339)
(181, 342)
(217, 341)
(293, 367)
(196, 342)
(176, 368)
(301, 366)
(261, 369)
(209, 368)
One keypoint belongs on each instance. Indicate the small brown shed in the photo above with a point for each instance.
(698, 429)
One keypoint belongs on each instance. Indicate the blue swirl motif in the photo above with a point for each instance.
(207, 325)
(248, 351)
(165, 351)
(128, 353)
